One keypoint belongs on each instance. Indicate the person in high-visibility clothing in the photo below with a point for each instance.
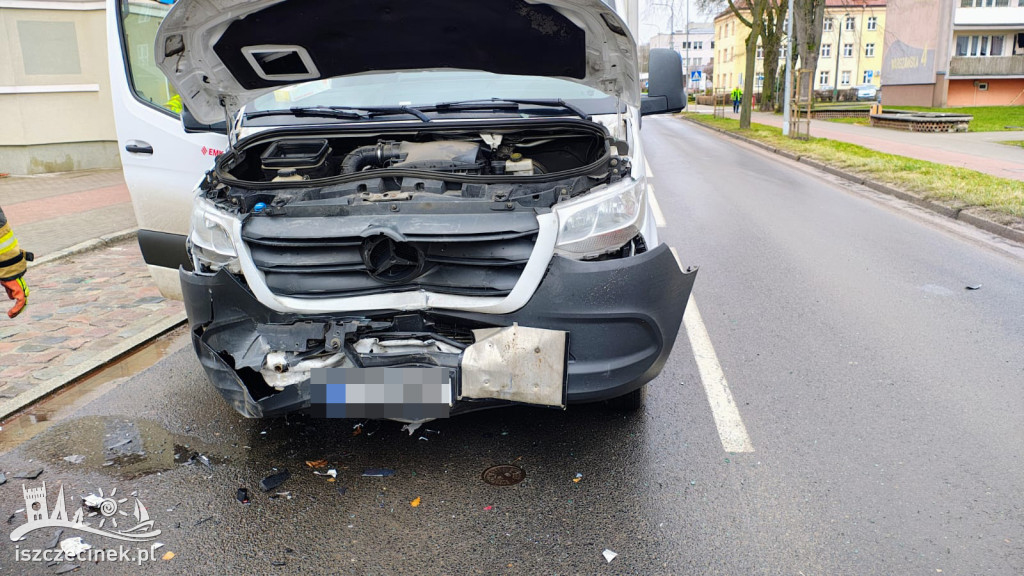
(737, 97)
(13, 263)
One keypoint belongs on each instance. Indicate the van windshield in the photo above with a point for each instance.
(424, 88)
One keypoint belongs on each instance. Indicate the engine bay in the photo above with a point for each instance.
(519, 166)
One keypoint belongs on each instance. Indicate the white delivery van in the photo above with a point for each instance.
(400, 209)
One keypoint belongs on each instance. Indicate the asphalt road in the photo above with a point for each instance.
(883, 403)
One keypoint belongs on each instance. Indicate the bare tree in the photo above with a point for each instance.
(772, 35)
(808, 18)
(754, 20)
(764, 18)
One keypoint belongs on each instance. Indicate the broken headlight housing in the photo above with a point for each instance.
(602, 221)
(210, 240)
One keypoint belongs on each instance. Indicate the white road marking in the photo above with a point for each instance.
(659, 218)
(727, 416)
(650, 174)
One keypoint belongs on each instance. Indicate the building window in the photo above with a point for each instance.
(712, 44)
(823, 78)
(983, 3)
(826, 50)
(850, 21)
(827, 25)
(872, 22)
(869, 50)
(868, 75)
(847, 50)
(979, 45)
(760, 52)
(844, 78)
(698, 45)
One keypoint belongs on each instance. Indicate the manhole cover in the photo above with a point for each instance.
(504, 475)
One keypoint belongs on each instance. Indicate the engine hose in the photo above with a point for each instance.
(364, 156)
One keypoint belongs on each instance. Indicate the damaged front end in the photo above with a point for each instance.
(417, 274)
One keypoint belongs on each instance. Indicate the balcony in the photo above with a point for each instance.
(986, 66)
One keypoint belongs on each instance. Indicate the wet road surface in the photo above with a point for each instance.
(883, 404)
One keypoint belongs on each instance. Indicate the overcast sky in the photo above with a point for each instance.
(654, 18)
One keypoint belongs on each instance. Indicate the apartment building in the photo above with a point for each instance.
(851, 47)
(955, 53)
(986, 67)
(700, 41)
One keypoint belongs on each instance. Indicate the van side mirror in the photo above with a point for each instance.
(666, 87)
(192, 126)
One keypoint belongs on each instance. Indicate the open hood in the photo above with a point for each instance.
(222, 54)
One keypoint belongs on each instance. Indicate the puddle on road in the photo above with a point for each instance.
(42, 415)
(121, 447)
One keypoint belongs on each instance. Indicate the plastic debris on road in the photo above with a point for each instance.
(67, 568)
(609, 555)
(92, 501)
(578, 478)
(342, 490)
(242, 495)
(378, 472)
(75, 458)
(415, 502)
(973, 287)
(316, 463)
(55, 540)
(73, 546)
(167, 556)
(488, 508)
(274, 480)
(3, 478)
(412, 426)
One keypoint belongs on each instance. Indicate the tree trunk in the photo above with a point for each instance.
(771, 42)
(807, 20)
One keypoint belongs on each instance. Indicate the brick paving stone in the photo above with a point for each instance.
(74, 320)
(47, 373)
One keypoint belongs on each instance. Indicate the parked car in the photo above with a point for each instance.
(867, 92)
(421, 208)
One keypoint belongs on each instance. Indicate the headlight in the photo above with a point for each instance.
(210, 238)
(601, 221)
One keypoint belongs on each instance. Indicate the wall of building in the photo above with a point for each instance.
(864, 65)
(730, 50)
(908, 94)
(1001, 92)
(55, 89)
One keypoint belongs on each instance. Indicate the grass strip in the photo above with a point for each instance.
(957, 187)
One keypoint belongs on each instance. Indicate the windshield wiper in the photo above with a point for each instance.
(341, 112)
(508, 104)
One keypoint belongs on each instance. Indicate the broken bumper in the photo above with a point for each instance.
(620, 316)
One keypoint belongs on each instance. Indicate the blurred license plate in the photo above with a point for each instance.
(405, 393)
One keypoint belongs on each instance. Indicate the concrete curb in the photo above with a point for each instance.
(952, 213)
(86, 246)
(38, 392)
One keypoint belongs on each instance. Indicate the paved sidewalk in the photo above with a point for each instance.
(84, 309)
(979, 151)
(51, 212)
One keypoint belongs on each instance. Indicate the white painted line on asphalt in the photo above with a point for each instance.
(727, 416)
(659, 218)
(650, 174)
